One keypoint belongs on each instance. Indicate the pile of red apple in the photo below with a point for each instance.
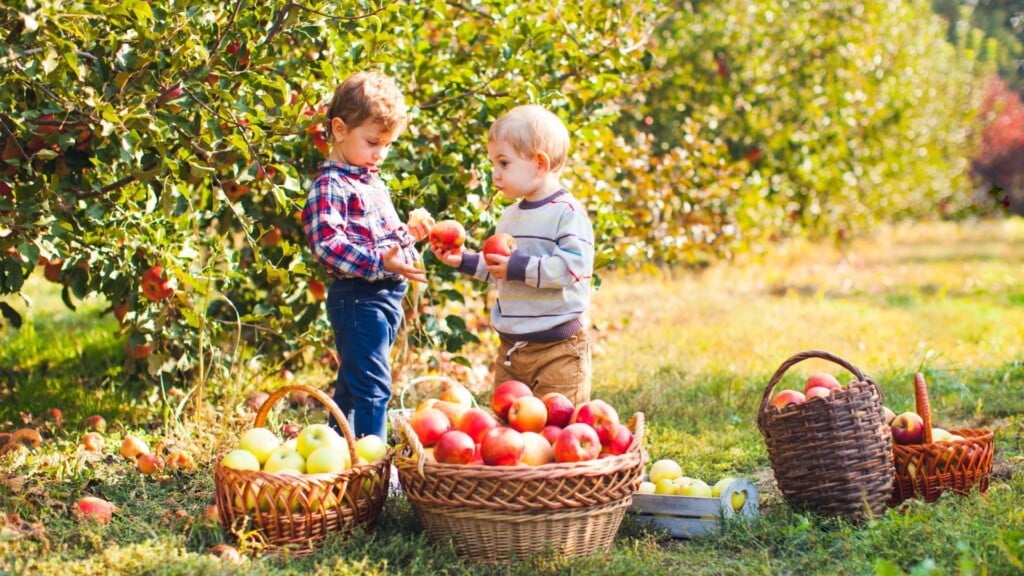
(819, 385)
(520, 429)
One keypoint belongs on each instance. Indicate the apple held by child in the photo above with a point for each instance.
(447, 235)
(499, 244)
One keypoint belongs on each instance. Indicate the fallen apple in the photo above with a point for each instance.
(132, 446)
(96, 423)
(149, 463)
(94, 509)
(92, 441)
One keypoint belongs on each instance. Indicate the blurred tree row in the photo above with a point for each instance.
(999, 20)
(157, 153)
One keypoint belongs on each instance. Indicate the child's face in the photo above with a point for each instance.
(366, 145)
(514, 175)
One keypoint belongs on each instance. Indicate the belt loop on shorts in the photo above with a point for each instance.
(513, 348)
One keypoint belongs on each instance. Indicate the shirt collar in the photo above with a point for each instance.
(364, 175)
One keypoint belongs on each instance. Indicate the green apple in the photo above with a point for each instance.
(716, 490)
(693, 487)
(330, 458)
(285, 459)
(371, 448)
(239, 459)
(665, 486)
(316, 436)
(646, 488)
(665, 468)
(260, 441)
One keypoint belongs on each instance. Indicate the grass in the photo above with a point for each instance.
(693, 351)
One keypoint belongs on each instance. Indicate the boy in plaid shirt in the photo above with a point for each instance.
(355, 233)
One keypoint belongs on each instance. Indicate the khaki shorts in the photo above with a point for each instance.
(562, 366)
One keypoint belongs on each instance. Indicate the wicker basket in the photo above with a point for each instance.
(496, 514)
(415, 386)
(833, 455)
(297, 511)
(927, 470)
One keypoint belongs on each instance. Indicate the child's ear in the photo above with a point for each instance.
(338, 129)
(543, 161)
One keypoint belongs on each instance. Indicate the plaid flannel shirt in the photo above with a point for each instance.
(350, 221)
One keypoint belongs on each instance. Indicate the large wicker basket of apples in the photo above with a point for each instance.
(291, 494)
(529, 475)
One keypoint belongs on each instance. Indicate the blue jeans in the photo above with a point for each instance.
(365, 317)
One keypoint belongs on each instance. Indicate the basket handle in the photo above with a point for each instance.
(762, 414)
(924, 409)
(321, 397)
(408, 436)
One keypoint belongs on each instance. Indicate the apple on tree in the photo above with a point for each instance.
(154, 285)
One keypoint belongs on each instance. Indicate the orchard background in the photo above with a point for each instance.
(180, 137)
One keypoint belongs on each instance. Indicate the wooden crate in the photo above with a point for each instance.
(690, 516)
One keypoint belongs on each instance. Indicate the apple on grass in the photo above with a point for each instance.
(528, 414)
(788, 398)
(284, 459)
(577, 442)
(96, 423)
(429, 425)
(908, 428)
(476, 422)
(94, 509)
(260, 441)
(92, 441)
(822, 379)
(600, 415)
(316, 436)
(454, 447)
(560, 409)
(132, 446)
(502, 446)
(506, 393)
(149, 463)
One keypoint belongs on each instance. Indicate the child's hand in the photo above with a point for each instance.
(497, 265)
(420, 223)
(393, 263)
(452, 258)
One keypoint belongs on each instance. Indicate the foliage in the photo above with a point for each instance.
(1002, 21)
(1000, 160)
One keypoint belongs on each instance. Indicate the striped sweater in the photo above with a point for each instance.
(547, 288)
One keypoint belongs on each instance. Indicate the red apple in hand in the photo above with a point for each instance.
(454, 447)
(505, 394)
(823, 379)
(429, 425)
(502, 446)
(528, 414)
(576, 443)
(908, 428)
(500, 244)
(598, 414)
(560, 409)
(787, 398)
(447, 235)
(476, 422)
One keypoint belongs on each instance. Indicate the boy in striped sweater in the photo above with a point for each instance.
(544, 285)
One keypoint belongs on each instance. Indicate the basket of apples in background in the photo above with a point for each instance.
(929, 461)
(295, 492)
(530, 474)
(688, 507)
(829, 446)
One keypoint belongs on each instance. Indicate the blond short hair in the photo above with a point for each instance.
(530, 129)
(369, 96)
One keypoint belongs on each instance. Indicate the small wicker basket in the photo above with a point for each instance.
(927, 470)
(496, 514)
(295, 512)
(831, 456)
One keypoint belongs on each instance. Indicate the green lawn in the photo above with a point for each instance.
(693, 351)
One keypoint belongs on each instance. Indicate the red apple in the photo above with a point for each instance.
(598, 414)
(447, 235)
(476, 422)
(500, 244)
(537, 450)
(576, 443)
(817, 392)
(618, 443)
(149, 463)
(96, 423)
(52, 270)
(505, 394)
(823, 379)
(137, 348)
(180, 460)
(560, 409)
(227, 553)
(317, 289)
(92, 508)
(551, 432)
(92, 441)
(502, 446)
(454, 447)
(457, 394)
(452, 410)
(154, 285)
(788, 397)
(56, 415)
(429, 425)
(908, 428)
(527, 414)
(478, 457)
